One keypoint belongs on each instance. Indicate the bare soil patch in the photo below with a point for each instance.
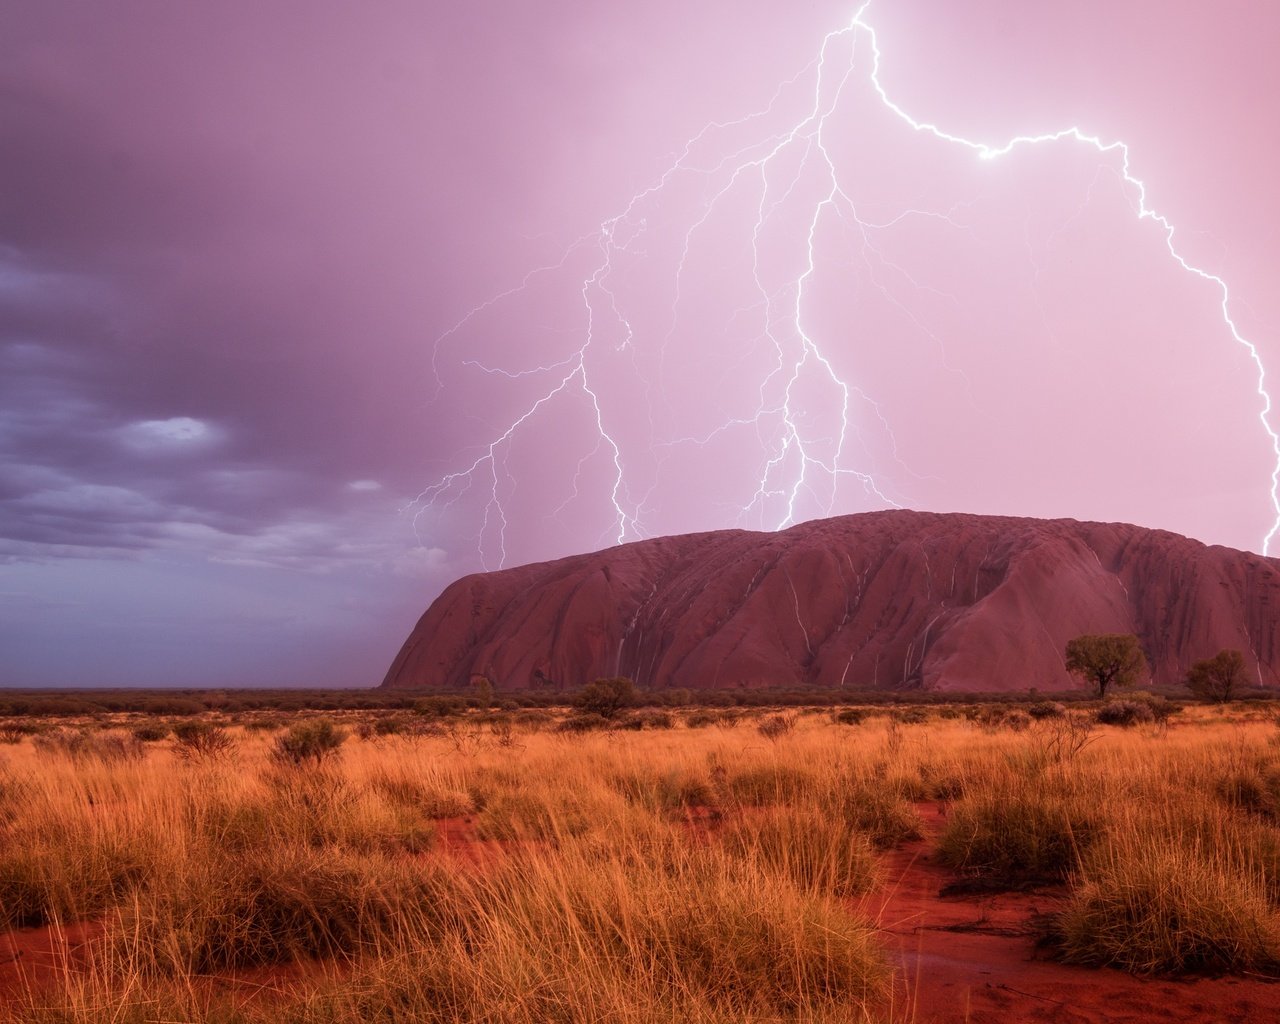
(973, 958)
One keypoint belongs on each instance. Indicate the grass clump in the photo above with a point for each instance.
(518, 814)
(1018, 830)
(84, 747)
(266, 907)
(671, 791)
(68, 876)
(811, 848)
(1166, 907)
(879, 813)
(769, 782)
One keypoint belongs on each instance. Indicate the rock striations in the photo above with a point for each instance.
(894, 600)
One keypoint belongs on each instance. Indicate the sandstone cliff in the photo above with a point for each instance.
(883, 600)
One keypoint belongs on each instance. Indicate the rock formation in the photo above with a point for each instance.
(894, 600)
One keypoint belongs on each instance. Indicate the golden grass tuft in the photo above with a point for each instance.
(1007, 830)
(1152, 905)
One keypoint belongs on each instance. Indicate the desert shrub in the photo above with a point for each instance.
(1124, 713)
(440, 707)
(503, 731)
(390, 725)
(16, 731)
(583, 723)
(1161, 708)
(81, 747)
(150, 732)
(850, 716)
(701, 718)
(1042, 709)
(774, 727)
(533, 719)
(1167, 907)
(648, 718)
(200, 741)
(309, 743)
(607, 698)
(989, 717)
(1017, 721)
(812, 849)
(910, 716)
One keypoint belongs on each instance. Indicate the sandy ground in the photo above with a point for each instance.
(974, 959)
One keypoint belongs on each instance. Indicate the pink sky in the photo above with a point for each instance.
(231, 235)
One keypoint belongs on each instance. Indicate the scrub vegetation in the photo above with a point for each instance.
(695, 864)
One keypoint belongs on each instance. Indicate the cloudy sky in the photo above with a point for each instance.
(278, 278)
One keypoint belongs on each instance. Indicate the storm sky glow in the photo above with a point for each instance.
(594, 275)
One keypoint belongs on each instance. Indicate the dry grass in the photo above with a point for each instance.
(651, 875)
(1156, 904)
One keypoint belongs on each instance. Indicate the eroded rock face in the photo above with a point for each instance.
(883, 600)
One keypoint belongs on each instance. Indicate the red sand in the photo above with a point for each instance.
(974, 960)
(37, 957)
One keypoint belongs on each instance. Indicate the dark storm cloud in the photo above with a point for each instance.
(256, 217)
(228, 233)
(154, 274)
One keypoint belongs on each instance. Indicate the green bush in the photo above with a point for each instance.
(311, 742)
(606, 697)
(1125, 713)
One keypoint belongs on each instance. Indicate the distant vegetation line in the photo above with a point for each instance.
(62, 702)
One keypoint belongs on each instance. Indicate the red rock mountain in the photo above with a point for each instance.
(884, 600)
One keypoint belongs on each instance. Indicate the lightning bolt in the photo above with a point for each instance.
(798, 461)
(1145, 212)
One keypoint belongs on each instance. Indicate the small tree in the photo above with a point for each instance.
(1218, 678)
(606, 697)
(1106, 659)
(483, 690)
